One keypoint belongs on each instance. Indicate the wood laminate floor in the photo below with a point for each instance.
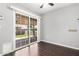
(46, 49)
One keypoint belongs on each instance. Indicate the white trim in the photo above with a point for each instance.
(29, 29)
(60, 44)
(38, 29)
(14, 26)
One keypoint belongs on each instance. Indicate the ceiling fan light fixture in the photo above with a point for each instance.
(51, 4)
(41, 6)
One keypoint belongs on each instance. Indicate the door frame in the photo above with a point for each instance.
(14, 25)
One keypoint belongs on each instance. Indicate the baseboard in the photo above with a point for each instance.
(60, 44)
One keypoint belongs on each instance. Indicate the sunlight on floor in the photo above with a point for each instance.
(25, 51)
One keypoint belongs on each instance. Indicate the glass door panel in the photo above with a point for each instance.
(33, 30)
(26, 28)
(22, 30)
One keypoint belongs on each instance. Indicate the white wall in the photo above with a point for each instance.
(55, 26)
(6, 28)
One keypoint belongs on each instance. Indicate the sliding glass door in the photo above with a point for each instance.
(22, 30)
(33, 29)
(26, 30)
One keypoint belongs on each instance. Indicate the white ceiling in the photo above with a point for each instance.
(35, 7)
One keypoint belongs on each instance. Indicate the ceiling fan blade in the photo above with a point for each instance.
(51, 4)
(41, 6)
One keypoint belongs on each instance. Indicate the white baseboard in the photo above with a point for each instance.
(60, 44)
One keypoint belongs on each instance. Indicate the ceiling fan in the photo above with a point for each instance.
(51, 4)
